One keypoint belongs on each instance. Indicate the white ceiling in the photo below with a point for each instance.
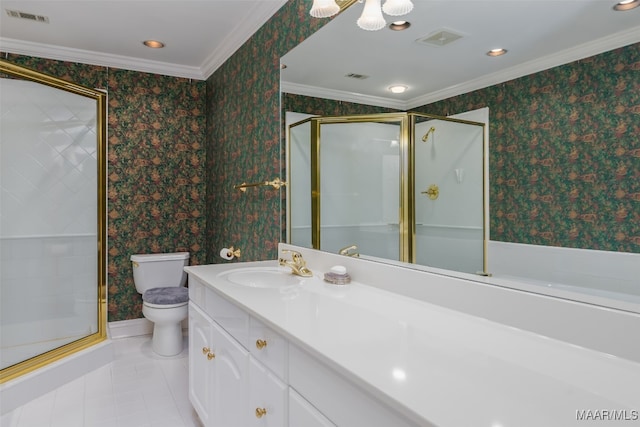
(201, 34)
(539, 34)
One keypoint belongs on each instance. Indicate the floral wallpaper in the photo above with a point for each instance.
(327, 107)
(564, 153)
(156, 159)
(243, 138)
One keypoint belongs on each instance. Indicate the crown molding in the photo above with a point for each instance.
(338, 95)
(241, 33)
(244, 30)
(96, 58)
(566, 56)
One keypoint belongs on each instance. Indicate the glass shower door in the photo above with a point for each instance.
(449, 190)
(51, 220)
(360, 186)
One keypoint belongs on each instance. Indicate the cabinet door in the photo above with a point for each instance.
(230, 380)
(303, 414)
(267, 397)
(268, 347)
(200, 367)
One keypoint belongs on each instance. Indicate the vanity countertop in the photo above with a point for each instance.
(436, 365)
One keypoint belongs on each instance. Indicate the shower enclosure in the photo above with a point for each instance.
(52, 219)
(402, 186)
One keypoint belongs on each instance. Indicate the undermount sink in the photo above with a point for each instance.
(262, 277)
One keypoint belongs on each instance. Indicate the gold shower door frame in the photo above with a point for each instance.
(100, 98)
(407, 221)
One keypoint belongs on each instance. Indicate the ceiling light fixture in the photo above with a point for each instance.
(626, 5)
(497, 52)
(397, 7)
(324, 8)
(398, 88)
(371, 18)
(399, 25)
(153, 44)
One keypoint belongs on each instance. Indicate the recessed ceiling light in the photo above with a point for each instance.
(497, 52)
(398, 88)
(399, 25)
(626, 5)
(154, 44)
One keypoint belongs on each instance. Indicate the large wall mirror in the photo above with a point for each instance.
(343, 70)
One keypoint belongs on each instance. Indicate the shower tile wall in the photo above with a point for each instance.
(49, 152)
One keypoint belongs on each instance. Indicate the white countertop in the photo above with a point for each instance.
(438, 365)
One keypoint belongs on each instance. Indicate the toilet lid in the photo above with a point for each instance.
(166, 296)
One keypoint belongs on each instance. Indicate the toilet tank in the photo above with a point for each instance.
(159, 270)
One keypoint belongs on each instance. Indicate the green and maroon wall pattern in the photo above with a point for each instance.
(564, 153)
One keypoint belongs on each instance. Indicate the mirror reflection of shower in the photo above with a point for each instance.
(425, 138)
(449, 224)
(364, 166)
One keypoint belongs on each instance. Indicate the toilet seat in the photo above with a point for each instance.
(166, 298)
(164, 306)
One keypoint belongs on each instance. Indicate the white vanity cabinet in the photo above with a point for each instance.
(303, 414)
(218, 372)
(243, 373)
(228, 386)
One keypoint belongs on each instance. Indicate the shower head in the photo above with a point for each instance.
(426, 135)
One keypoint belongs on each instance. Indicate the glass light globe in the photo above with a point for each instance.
(371, 18)
(324, 8)
(397, 7)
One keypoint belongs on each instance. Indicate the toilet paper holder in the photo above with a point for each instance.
(230, 253)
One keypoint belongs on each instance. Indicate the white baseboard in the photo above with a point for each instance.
(130, 328)
(134, 328)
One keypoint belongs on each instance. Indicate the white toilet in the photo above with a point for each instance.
(160, 278)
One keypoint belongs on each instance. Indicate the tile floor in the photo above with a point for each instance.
(138, 389)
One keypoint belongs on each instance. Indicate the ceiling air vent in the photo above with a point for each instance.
(356, 76)
(25, 15)
(440, 38)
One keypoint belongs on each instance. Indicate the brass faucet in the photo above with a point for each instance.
(297, 264)
(350, 251)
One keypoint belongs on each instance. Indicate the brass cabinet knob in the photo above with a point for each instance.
(260, 344)
(207, 352)
(260, 412)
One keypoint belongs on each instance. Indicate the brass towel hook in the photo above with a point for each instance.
(276, 183)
